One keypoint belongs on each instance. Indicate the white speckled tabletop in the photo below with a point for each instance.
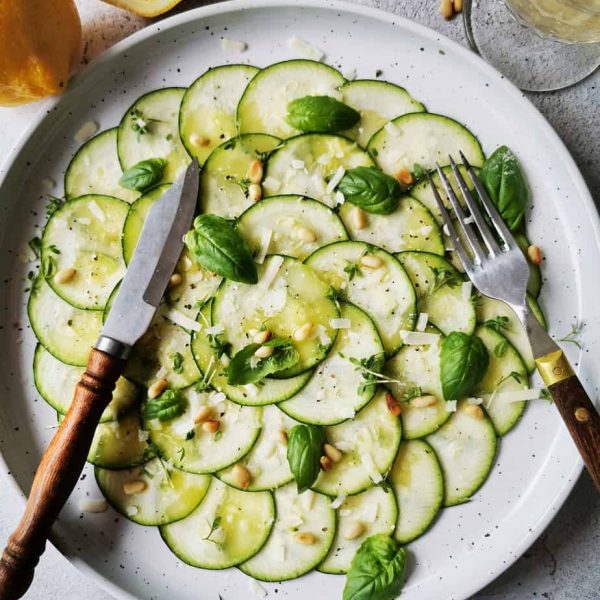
(563, 563)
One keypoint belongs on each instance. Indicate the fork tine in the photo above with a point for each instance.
(462, 217)
(484, 230)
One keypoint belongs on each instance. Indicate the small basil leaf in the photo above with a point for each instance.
(377, 570)
(245, 368)
(370, 189)
(144, 174)
(304, 450)
(464, 360)
(321, 114)
(504, 182)
(217, 246)
(167, 406)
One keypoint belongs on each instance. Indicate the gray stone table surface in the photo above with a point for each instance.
(564, 563)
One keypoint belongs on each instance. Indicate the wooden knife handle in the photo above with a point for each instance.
(57, 473)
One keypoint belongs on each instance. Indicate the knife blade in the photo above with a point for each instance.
(152, 265)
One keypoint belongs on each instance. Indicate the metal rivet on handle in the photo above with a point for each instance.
(582, 415)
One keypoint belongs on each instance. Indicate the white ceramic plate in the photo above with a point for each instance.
(537, 464)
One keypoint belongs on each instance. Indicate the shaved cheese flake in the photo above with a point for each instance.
(468, 220)
(307, 500)
(369, 465)
(333, 182)
(182, 320)
(230, 45)
(86, 131)
(339, 198)
(339, 323)
(445, 229)
(338, 501)
(451, 405)
(349, 73)
(215, 329)
(474, 400)
(345, 512)
(272, 183)
(518, 395)
(225, 360)
(254, 360)
(272, 271)
(344, 445)
(323, 335)
(84, 221)
(305, 49)
(48, 183)
(265, 242)
(251, 389)
(93, 505)
(297, 164)
(422, 321)
(370, 512)
(426, 230)
(97, 211)
(143, 435)
(465, 289)
(392, 129)
(418, 338)
(257, 589)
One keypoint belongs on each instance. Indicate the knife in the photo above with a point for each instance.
(139, 295)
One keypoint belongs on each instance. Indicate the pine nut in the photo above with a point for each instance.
(392, 404)
(360, 218)
(446, 9)
(308, 539)
(326, 463)
(253, 332)
(157, 388)
(255, 171)
(405, 176)
(175, 280)
(305, 234)
(199, 140)
(240, 476)
(204, 413)
(264, 352)
(355, 530)
(254, 192)
(211, 426)
(423, 401)
(283, 437)
(458, 6)
(303, 332)
(332, 452)
(134, 486)
(262, 336)
(371, 262)
(582, 414)
(475, 411)
(534, 254)
(65, 275)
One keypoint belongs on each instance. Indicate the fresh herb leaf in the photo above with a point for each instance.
(512, 375)
(419, 172)
(181, 453)
(190, 435)
(244, 183)
(218, 344)
(352, 269)
(53, 205)
(48, 267)
(217, 435)
(321, 114)
(332, 293)
(370, 189)
(574, 336)
(144, 174)
(213, 527)
(500, 348)
(53, 248)
(545, 395)
(177, 363)
(444, 276)
(411, 392)
(499, 324)
(167, 406)
(229, 144)
(304, 450)
(139, 122)
(371, 369)
(35, 244)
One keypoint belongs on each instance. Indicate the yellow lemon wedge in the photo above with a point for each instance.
(145, 8)
(40, 40)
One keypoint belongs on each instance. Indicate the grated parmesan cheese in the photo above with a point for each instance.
(517, 395)
(418, 338)
(272, 183)
(339, 323)
(271, 272)
(265, 242)
(215, 329)
(97, 211)
(451, 405)
(422, 321)
(426, 230)
(305, 49)
(338, 501)
(230, 45)
(297, 164)
(86, 131)
(182, 320)
(369, 465)
(339, 197)
(465, 289)
(349, 73)
(333, 182)
(257, 589)
(392, 129)
(93, 505)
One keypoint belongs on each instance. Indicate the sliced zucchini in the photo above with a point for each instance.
(283, 557)
(166, 495)
(410, 227)
(417, 480)
(267, 462)
(224, 177)
(288, 295)
(305, 164)
(291, 225)
(263, 107)
(384, 293)
(150, 129)
(228, 527)
(425, 139)
(506, 372)
(68, 333)
(207, 114)
(440, 293)
(85, 234)
(377, 102)
(187, 446)
(336, 391)
(369, 443)
(56, 381)
(375, 510)
(95, 169)
(465, 447)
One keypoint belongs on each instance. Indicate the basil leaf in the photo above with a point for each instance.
(245, 368)
(144, 174)
(321, 114)
(463, 362)
(304, 450)
(217, 246)
(377, 570)
(167, 406)
(370, 189)
(504, 182)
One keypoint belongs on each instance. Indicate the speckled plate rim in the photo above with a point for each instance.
(480, 577)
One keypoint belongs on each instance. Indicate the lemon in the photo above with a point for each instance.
(40, 40)
(145, 8)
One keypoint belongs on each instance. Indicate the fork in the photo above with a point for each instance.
(498, 268)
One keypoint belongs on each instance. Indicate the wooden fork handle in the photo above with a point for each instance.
(57, 473)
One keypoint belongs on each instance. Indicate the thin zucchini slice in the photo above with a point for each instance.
(410, 227)
(377, 102)
(168, 494)
(56, 381)
(417, 480)
(150, 129)
(375, 510)
(263, 106)
(207, 114)
(465, 447)
(291, 225)
(187, 446)
(440, 292)
(369, 443)
(68, 333)
(288, 295)
(283, 557)
(336, 391)
(228, 527)
(385, 293)
(267, 462)
(95, 169)
(506, 372)
(305, 164)
(85, 234)
(425, 139)
(224, 177)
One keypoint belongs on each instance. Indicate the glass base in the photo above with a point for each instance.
(531, 62)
